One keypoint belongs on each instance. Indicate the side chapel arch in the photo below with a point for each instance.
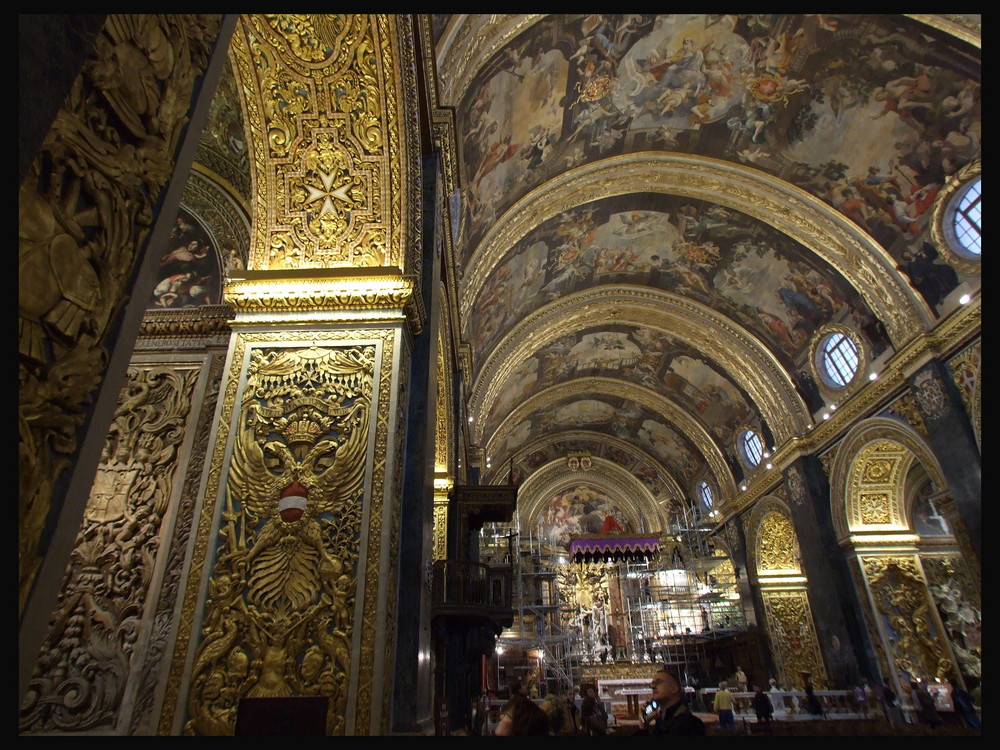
(774, 559)
(902, 584)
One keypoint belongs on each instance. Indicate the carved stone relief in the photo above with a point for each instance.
(793, 637)
(85, 212)
(960, 608)
(906, 617)
(101, 615)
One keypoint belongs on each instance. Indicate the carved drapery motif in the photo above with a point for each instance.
(777, 546)
(279, 617)
(85, 212)
(793, 637)
(905, 616)
(80, 679)
(959, 605)
(330, 180)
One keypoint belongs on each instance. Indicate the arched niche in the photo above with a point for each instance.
(868, 477)
(773, 556)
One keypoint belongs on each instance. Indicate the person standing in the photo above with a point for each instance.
(741, 679)
(924, 703)
(813, 706)
(890, 703)
(523, 718)
(962, 701)
(762, 706)
(592, 718)
(724, 706)
(667, 713)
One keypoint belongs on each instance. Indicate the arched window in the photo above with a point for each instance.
(967, 219)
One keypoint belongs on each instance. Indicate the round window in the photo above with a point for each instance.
(838, 359)
(967, 221)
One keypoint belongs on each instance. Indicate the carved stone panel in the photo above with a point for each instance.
(280, 614)
(102, 612)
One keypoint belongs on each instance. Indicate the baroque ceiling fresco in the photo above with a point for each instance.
(631, 281)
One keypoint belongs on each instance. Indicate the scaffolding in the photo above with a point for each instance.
(670, 608)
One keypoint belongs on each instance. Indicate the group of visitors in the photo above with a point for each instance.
(669, 713)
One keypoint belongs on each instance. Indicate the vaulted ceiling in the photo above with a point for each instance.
(662, 214)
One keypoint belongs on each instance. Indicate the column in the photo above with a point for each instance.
(836, 606)
(951, 436)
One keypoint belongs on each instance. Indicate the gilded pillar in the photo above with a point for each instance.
(293, 584)
(788, 615)
(909, 628)
(841, 632)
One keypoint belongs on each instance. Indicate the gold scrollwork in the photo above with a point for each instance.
(906, 616)
(777, 546)
(793, 636)
(279, 617)
(79, 681)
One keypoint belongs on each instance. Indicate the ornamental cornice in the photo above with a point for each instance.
(950, 336)
(208, 321)
(344, 295)
(803, 217)
(747, 362)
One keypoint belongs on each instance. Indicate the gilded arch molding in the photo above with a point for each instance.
(807, 220)
(642, 396)
(750, 364)
(672, 491)
(845, 490)
(627, 492)
(469, 41)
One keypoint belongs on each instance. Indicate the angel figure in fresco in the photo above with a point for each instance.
(499, 152)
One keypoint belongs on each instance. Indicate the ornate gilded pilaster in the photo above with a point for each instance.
(442, 488)
(299, 541)
(775, 556)
(907, 621)
(793, 639)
